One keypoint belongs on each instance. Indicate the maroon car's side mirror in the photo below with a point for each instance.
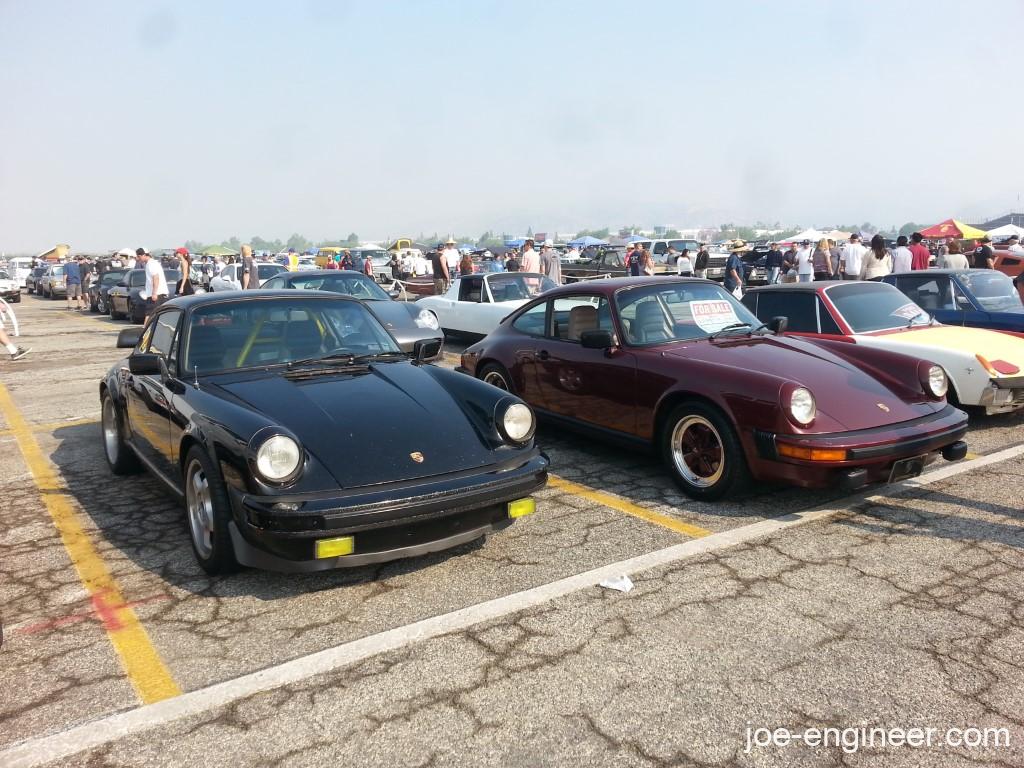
(597, 339)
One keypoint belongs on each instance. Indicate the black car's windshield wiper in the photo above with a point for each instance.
(381, 357)
(731, 327)
(335, 358)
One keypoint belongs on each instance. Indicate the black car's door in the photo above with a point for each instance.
(149, 399)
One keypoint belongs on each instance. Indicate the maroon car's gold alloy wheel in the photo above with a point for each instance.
(697, 451)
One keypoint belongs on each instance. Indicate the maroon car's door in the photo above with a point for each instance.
(592, 385)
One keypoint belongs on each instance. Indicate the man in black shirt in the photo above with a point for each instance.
(439, 265)
(984, 256)
(773, 263)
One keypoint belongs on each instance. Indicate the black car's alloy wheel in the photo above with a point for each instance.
(703, 453)
(496, 376)
(120, 457)
(209, 512)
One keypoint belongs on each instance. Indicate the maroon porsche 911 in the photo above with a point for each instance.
(681, 366)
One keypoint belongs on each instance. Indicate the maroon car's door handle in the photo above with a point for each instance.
(543, 355)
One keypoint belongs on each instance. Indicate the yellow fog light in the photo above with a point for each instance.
(521, 508)
(343, 545)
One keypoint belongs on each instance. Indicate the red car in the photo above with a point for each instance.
(679, 365)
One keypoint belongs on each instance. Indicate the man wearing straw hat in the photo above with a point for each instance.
(734, 268)
(450, 254)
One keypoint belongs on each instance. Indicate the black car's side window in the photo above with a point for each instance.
(274, 282)
(799, 307)
(164, 334)
(532, 320)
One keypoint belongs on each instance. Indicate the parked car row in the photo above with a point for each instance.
(258, 408)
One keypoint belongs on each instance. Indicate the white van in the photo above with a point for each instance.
(19, 268)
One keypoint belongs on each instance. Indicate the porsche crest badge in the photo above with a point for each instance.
(883, 406)
(416, 456)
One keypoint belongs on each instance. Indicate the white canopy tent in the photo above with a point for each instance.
(808, 234)
(1005, 231)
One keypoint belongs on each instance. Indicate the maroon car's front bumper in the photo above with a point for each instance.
(870, 453)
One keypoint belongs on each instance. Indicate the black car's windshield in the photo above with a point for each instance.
(656, 314)
(513, 286)
(871, 306)
(347, 283)
(266, 271)
(253, 333)
(993, 290)
(112, 277)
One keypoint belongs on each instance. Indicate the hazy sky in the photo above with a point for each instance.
(140, 122)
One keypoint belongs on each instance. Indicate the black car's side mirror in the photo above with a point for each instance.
(122, 284)
(128, 338)
(147, 364)
(963, 302)
(597, 339)
(778, 324)
(426, 349)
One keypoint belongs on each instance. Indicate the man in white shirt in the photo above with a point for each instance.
(154, 291)
(1015, 246)
(408, 265)
(451, 256)
(852, 259)
(804, 263)
(902, 258)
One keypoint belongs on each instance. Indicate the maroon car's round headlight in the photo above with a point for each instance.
(799, 405)
(934, 380)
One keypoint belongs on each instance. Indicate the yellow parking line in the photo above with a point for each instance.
(142, 664)
(53, 425)
(615, 502)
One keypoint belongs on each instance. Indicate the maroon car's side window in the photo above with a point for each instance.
(532, 320)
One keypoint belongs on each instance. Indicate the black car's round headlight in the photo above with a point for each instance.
(276, 458)
(516, 422)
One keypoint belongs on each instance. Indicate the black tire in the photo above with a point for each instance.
(93, 307)
(136, 317)
(29, 289)
(101, 306)
(714, 466)
(16, 299)
(51, 295)
(496, 375)
(120, 456)
(207, 514)
(114, 315)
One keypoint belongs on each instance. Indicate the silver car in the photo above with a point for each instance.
(406, 321)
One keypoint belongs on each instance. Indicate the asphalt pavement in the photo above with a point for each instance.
(895, 608)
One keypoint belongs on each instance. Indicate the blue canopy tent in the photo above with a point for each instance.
(467, 247)
(517, 243)
(586, 241)
(635, 238)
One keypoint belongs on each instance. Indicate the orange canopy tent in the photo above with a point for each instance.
(952, 229)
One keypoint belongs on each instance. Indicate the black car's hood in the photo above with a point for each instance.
(364, 428)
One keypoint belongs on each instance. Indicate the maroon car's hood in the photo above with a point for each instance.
(847, 397)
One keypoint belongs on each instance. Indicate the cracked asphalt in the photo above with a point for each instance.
(903, 609)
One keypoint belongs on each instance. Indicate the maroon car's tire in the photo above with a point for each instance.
(496, 376)
(703, 453)
(207, 513)
(120, 457)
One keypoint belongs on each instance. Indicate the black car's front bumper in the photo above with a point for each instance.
(386, 522)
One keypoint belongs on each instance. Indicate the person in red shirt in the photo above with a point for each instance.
(920, 254)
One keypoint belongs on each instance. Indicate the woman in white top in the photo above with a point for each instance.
(684, 264)
(877, 261)
(954, 258)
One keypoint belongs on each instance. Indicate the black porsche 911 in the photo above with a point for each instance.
(301, 437)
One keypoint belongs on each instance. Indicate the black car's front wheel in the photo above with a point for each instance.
(703, 452)
(496, 376)
(120, 457)
(209, 512)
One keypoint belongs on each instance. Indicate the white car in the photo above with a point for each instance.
(229, 278)
(475, 305)
(9, 288)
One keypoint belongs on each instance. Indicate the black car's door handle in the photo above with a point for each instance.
(543, 355)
